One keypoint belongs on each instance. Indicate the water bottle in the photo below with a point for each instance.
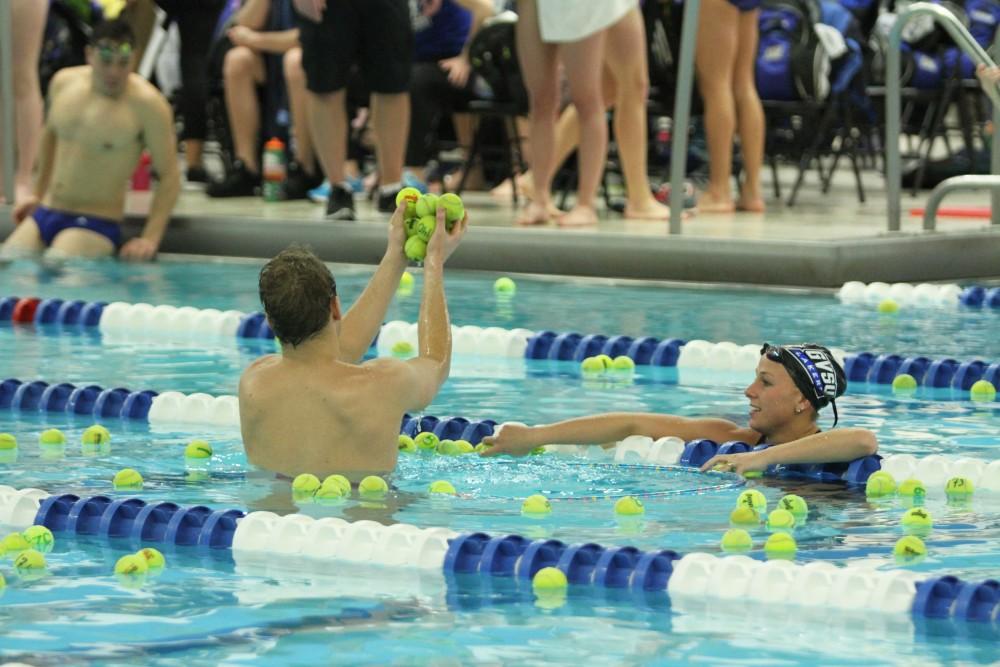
(142, 176)
(662, 136)
(274, 169)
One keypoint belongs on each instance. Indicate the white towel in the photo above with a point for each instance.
(573, 20)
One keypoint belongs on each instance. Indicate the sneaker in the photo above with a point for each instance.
(197, 175)
(386, 201)
(411, 181)
(239, 182)
(320, 193)
(298, 183)
(340, 204)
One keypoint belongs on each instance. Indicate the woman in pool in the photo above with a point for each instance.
(793, 383)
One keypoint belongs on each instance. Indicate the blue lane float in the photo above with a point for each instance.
(65, 397)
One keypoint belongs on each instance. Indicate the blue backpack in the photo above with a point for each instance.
(983, 20)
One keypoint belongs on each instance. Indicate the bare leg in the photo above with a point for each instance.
(583, 62)
(715, 61)
(295, 81)
(539, 66)
(391, 118)
(242, 71)
(25, 240)
(193, 151)
(81, 243)
(328, 124)
(749, 114)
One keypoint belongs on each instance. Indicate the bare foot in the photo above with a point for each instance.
(708, 203)
(755, 205)
(535, 214)
(525, 188)
(654, 211)
(579, 216)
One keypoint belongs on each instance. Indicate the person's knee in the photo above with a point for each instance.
(292, 65)
(25, 80)
(238, 63)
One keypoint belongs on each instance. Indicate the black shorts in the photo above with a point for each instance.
(375, 35)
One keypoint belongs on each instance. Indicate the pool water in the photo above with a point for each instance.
(210, 609)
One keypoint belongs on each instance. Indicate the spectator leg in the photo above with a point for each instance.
(328, 123)
(749, 113)
(243, 71)
(391, 120)
(295, 80)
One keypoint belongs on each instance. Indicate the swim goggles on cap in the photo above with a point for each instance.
(814, 370)
(108, 51)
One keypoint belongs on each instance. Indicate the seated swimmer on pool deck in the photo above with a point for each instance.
(100, 118)
(315, 407)
(793, 383)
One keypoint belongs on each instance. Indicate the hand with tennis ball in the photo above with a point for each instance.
(444, 242)
(397, 234)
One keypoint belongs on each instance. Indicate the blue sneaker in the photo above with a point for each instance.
(411, 181)
(320, 193)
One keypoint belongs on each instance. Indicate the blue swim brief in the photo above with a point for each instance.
(745, 5)
(51, 222)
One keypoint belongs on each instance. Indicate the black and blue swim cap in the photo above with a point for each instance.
(814, 370)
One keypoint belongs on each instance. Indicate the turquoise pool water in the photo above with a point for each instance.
(212, 610)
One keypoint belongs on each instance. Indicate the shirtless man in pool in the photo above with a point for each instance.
(100, 119)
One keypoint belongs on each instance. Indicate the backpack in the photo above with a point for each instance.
(983, 20)
(493, 54)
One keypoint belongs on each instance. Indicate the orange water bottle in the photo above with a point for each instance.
(274, 169)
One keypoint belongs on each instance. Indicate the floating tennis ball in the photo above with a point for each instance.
(427, 205)
(622, 363)
(131, 564)
(744, 516)
(406, 444)
(481, 447)
(959, 487)
(198, 449)
(505, 286)
(904, 383)
(794, 504)
(592, 366)
(549, 579)
(406, 282)
(15, 543)
(154, 559)
(982, 390)
(736, 540)
(909, 549)
(373, 486)
(39, 537)
(426, 440)
(127, 478)
(442, 486)
(410, 196)
(464, 447)
(780, 545)
(879, 485)
(448, 448)
(888, 306)
(753, 499)
(29, 560)
(917, 520)
(454, 209)
(340, 482)
(629, 506)
(305, 483)
(912, 488)
(424, 228)
(7, 441)
(415, 249)
(402, 349)
(780, 519)
(329, 492)
(52, 436)
(537, 451)
(96, 435)
(536, 504)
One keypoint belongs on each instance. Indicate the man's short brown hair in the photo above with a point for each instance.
(296, 289)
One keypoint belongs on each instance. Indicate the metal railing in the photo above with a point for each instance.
(968, 44)
(682, 113)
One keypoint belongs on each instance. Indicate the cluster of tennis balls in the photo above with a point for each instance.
(751, 505)
(602, 363)
(26, 549)
(881, 484)
(427, 442)
(135, 566)
(420, 218)
(334, 487)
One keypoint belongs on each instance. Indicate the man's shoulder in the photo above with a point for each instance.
(145, 94)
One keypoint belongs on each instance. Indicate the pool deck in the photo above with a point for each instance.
(823, 241)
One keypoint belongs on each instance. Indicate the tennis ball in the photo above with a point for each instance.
(373, 486)
(454, 209)
(752, 474)
(402, 349)
(537, 451)
(982, 390)
(406, 281)
(427, 205)
(426, 440)
(425, 228)
(96, 435)
(442, 486)
(415, 249)
(880, 484)
(198, 449)
(753, 499)
(959, 486)
(52, 436)
(549, 579)
(736, 540)
(305, 483)
(15, 543)
(909, 549)
(3, 582)
(39, 537)
(888, 306)
(464, 447)
(536, 504)
(780, 545)
(912, 487)
(329, 492)
(917, 520)
(406, 444)
(448, 448)
(127, 478)
(622, 363)
(780, 519)
(629, 506)
(7, 441)
(794, 504)
(340, 482)
(744, 516)
(154, 559)
(505, 286)
(410, 225)
(592, 366)
(132, 564)
(29, 560)
(410, 196)
(904, 383)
